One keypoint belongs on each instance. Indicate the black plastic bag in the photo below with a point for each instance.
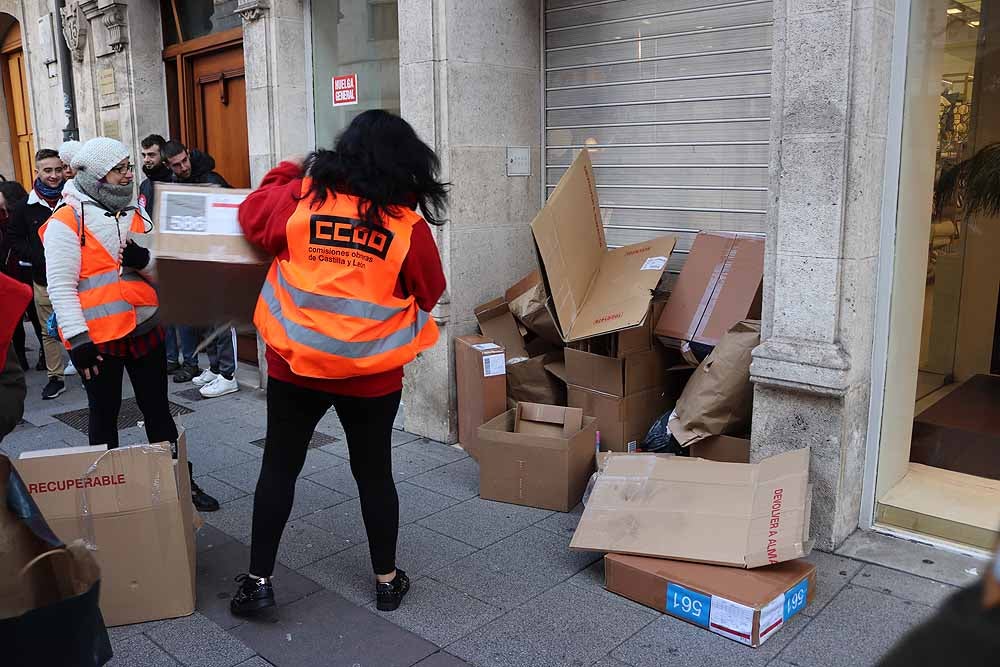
(659, 439)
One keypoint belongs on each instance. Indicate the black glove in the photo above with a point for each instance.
(85, 356)
(135, 256)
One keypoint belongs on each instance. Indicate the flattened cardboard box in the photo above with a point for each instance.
(747, 606)
(207, 272)
(594, 290)
(735, 514)
(140, 518)
(547, 465)
(719, 285)
(480, 367)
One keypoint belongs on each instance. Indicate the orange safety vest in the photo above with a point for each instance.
(328, 309)
(107, 296)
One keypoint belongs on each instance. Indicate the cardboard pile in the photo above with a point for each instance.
(133, 506)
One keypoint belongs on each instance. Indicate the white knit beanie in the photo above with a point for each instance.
(99, 155)
(68, 149)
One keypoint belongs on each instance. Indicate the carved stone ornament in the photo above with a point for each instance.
(75, 29)
(114, 21)
(251, 10)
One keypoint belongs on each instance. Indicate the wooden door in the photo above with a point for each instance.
(15, 87)
(219, 121)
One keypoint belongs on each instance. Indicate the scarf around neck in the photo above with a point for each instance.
(51, 195)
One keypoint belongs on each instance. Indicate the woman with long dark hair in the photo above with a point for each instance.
(345, 306)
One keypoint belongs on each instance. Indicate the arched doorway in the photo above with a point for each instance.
(15, 90)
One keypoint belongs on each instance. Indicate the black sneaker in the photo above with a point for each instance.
(172, 367)
(388, 596)
(252, 595)
(202, 501)
(53, 389)
(40, 366)
(186, 374)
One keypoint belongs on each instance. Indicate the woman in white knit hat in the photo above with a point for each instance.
(100, 281)
(67, 151)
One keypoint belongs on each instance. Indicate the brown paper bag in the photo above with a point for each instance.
(530, 310)
(718, 399)
(529, 382)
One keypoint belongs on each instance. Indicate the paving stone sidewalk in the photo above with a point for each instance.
(494, 585)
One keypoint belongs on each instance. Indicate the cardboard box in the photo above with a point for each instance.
(719, 285)
(749, 607)
(539, 456)
(498, 324)
(138, 515)
(722, 448)
(622, 421)
(735, 514)
(594, 290)
(532, 307)
(207, 272)
(616, 376)
(480, 367)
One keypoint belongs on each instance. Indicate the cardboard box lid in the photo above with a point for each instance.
(199, 223)
(753, 588)
(548, 421)
(743, 515)
(498, 323)
(595, 290)
(500, 430)
(717, 287)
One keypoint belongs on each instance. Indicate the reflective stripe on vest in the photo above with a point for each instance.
(337, 305)
(106, 309)
(330, 345)
(98, 280)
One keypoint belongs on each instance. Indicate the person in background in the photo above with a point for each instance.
(219, 379)
(100, 274)
(14, 298)
(339, 334)
(25, 221)
(180, 339)
(11, 195)
(67, 150)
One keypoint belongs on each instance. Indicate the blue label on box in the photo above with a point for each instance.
(689, 605)
(796, 598)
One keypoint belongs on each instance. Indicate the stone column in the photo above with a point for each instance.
(469, 84)
(813, 369)
(274, 54)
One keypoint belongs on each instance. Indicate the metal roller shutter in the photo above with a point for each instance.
(673, 98)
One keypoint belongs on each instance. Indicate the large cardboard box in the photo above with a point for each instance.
(719, 285)
(480, 367)
(616, 376)
(537, 455)
(749, 607)
(623, 421)
(594, 290)
(207, 272)
(735, 514)
(134, 505)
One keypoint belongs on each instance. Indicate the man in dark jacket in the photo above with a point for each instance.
(25, 220)
(154, 168)
(194, 168)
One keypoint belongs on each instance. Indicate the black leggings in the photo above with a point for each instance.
(292, 415)
(19, 336)
(149, 380)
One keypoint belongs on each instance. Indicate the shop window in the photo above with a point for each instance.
(353, 37)
(184, 20)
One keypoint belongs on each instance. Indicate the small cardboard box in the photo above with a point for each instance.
(746, 606)
(719, 285)
(594, 290)
(139, 516)
(537, 455)
(480, 367)
(207, 272)
(735, 514)
(622, 421)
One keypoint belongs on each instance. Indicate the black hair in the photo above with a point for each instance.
(13, 193)
(45, 154)
(153, 140)
(382, 161)
(172, 149)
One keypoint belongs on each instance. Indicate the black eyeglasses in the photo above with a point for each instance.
(123, 168)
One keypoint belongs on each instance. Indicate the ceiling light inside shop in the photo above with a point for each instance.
(973, 24)
(954, 10)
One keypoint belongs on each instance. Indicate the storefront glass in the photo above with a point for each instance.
(939, 457)
(359, 37)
